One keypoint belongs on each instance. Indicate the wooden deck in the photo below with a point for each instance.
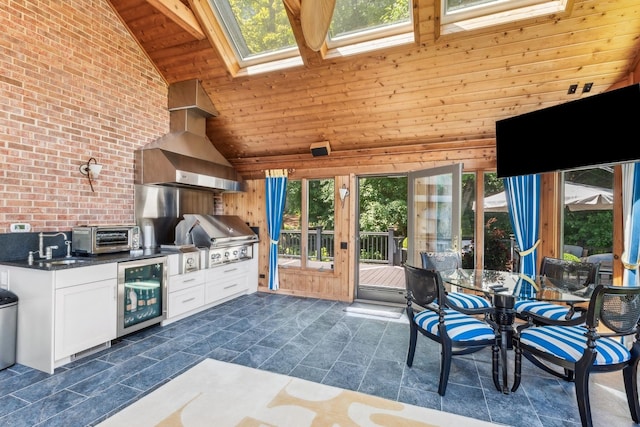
(382, 275)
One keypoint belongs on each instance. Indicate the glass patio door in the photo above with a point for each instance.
(433, 223)
(434, 206)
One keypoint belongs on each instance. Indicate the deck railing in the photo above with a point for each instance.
(375, 247)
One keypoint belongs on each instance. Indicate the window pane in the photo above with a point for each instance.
(256, 28)
(352, 17)
(468, 219)
(588, 218)
(498, 241)
(290, 243)
(321, 208)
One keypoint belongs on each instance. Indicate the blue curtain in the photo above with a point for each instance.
(276, 193)
(631, 211)
(523, 203)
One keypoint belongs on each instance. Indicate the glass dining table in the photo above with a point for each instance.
(503, 289)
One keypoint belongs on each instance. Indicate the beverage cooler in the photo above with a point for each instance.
(141, 294)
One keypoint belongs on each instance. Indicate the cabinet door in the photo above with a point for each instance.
(85, 316)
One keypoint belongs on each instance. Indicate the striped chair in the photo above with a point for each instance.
(574, 352)
(568, 275)
(457, 333)
(463, 302)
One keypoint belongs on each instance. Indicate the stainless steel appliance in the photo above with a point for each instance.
(189, 257)
(102, 239)
(142, 294)
(227, 237)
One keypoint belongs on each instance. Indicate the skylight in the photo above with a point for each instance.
(259, 31)
(466, 15)
(357, 21)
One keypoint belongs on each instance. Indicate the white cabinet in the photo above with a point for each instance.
(193, 292)
(63, 312)
(85, 316)
(226, 281)
(185, 293)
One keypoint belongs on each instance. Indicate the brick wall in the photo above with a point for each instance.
(73, 85)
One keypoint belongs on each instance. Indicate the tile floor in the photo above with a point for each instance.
(313, 339)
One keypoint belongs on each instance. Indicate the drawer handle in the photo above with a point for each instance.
(188, 299)
(230, 270)
(231, 286)
(188, 280)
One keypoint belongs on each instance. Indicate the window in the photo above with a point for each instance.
(359, 22)
(499, 246)
(466, 15)
(307, 234)
(258, 30)
(587, 225)
(259, 34)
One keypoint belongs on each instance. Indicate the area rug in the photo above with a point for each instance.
(220, 394)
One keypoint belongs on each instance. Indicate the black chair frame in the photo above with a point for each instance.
(424, 288)
(617, 308)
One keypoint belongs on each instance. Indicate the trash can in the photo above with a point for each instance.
(8, 328)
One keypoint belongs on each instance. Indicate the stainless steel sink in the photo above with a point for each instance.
(65, 261)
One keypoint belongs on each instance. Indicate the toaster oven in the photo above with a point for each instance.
(102, 239)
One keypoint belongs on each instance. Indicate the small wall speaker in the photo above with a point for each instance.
(320, 149)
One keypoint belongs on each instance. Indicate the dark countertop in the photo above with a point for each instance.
(84, 261)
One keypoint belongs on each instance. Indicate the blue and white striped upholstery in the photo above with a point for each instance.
(569, 343)
(467, 301)
(460, 327)
(544, 309)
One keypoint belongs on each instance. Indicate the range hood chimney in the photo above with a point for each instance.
(185, 157)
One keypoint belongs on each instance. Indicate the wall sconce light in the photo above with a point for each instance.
(344, 192)
(92, 170)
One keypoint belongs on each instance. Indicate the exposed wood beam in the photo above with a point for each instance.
(180, 14)
(215, 34)
(309, 56)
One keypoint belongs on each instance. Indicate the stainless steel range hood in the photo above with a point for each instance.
(185, 157)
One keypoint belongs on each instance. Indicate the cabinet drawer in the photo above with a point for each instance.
(224, 272)
(82, 275)
(219, 289)
(185, 281)
(185, 300)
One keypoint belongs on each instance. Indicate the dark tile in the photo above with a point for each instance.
(42, 410)
(324, 355)
(345, 375)
(254, 356)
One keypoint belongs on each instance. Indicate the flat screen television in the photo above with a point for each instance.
(601, 129)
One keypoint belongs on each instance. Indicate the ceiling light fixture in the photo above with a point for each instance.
(587, 87)
(572, 89)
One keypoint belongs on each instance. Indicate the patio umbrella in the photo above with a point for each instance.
(577, 197)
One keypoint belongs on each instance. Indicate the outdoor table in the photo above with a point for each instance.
(502, 288)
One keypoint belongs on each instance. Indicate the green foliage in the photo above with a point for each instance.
(353, 15)
(570, 257)
(264, 25)
(497, 248)
(590, 229)
(383, 204)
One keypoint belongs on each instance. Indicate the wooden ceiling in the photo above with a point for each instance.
(440, 93)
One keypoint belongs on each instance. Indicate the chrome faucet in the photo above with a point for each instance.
(48, 251)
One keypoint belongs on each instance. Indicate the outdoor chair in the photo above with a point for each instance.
(574, 352)
(571, 276)
(456, 332)
(464, 302)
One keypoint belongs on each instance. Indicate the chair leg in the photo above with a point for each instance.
(582, 395)
(517, 371)
(413, 337)
(630, 376)
(446, 354)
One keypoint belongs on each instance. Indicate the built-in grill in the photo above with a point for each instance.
(227, 237)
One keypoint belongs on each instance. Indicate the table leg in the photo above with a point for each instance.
(504, 317)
